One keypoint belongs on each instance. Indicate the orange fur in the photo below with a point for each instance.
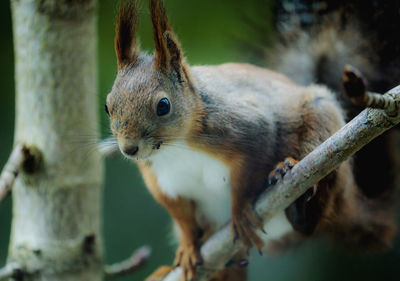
(160, 273)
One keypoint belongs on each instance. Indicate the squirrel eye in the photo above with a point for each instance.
(163, 107)
(106, 109)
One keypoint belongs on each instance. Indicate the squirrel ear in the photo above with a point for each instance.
(168, 52)
(125, 33)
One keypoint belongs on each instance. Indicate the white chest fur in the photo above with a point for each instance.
(182, 171)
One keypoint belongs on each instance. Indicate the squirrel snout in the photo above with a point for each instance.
(130, 150)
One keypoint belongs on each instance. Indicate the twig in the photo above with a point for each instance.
(355, 86)
(6, 272)
(136, 260)
(370, 123)
(9, 271)
(11, 169)
(23, 158)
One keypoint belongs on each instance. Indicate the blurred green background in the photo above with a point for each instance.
(209, 32)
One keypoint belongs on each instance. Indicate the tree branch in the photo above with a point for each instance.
(134, 262)
(11, 170)
(6, 272)
(22, 158)
(11, 270)
(370, 123)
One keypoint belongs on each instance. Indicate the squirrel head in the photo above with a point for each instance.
(152, 99)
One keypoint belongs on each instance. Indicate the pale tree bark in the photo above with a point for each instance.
(56, 208)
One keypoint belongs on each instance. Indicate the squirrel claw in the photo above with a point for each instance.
(280, 170)
(243, 225)
(188, 258)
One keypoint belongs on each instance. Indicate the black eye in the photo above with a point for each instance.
(163, 107)
(106, 109)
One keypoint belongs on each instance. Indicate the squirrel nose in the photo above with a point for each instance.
(131, 150)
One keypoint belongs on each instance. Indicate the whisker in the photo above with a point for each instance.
(108, 146)
(208, 138)
(179, 145)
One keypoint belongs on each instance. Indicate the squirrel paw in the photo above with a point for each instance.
(188, 258)
(280, 170)
(243, 227)
(160, 273)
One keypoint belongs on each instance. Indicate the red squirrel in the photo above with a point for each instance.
(208, 140)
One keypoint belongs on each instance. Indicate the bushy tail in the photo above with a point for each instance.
(368, 225)
(316, 39)
(331, 33)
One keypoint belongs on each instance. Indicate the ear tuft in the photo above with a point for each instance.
(168, 53)
(125, 33)
(175, 54)
(160, 25)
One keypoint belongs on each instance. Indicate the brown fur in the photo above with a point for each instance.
(233, 272)
(125, 29)
(248, 117)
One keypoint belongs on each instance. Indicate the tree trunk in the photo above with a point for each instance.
(56, 210)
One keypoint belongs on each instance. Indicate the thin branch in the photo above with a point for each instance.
(6, 272)
(11, 270)
(11, 170)
(134, 262)
(370, 123)
(23, 158)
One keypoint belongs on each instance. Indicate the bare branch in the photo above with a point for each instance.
(370, 123)
(22, 158)
(11, 170)
(134, 262)
(6, 272)
(9, 271)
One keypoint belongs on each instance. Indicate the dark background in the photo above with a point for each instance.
(209, 32)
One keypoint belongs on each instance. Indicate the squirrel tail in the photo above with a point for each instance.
(316, 39)
(368, 225)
